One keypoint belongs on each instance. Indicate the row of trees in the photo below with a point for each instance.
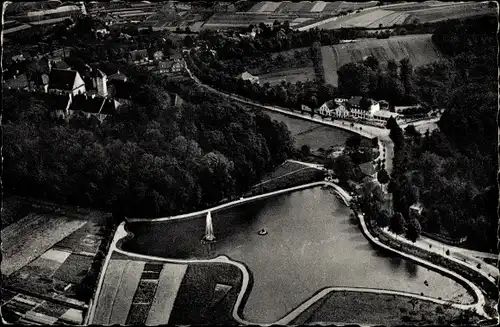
(150, 159)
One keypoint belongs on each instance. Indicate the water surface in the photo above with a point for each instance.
(312, 243)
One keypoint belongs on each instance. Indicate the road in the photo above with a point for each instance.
(388, 146)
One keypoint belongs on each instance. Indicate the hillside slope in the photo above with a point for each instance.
(418, 48)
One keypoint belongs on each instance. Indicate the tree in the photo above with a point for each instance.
(383, 176)
(354, 79)
(397, 223)
(344, 168)
(305, 150)
(353, 141)
(413, 230)
(383, 219)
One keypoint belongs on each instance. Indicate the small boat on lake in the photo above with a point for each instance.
(262, 232)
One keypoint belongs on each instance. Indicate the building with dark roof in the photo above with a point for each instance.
(122, 90)
(99, 107)
(66, 81)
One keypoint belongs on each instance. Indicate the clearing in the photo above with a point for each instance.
(418, 48)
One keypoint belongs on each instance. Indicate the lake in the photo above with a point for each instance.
(312, 243)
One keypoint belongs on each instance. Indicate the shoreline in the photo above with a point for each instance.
(122, 235)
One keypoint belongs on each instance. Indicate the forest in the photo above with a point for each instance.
(150, 159)
(453, 171)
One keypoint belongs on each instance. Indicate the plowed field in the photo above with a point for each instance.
(418, 48)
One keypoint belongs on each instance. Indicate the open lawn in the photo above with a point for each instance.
(168, 286)
(31, 236)
(389, 310)
(418, 48)
(289, 76)
(198, 302)
(120, 282)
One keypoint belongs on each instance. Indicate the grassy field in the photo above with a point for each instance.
(119, 286)
(459, 11)
(311, 134)
(389, 310)
(287, 175)
(289, 76)
(197, 303)
(28, 238)
(418, 48)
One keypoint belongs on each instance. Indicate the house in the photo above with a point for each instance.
(169, 66)
(176, 100)
(119, 76)
(416, 209)
(362, 108)
(39, 82)
(66, 81)
(327, 108)
(305, 108)
(59, 65)
(139, 56)
(122, 90)
(367, 169)
(58, 104)
(340, 100)
(99, 107)
(246, 76)
(100, 29)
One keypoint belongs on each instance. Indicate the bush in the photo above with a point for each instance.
(478, 266)
(447, 252)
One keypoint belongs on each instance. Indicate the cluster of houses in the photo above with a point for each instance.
(157, 63)
(98, 90)
(360, 108)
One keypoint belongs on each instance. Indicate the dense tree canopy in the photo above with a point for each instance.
(150, 159)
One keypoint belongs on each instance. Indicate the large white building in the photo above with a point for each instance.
(357, 108)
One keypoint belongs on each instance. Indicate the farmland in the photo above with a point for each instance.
(418, 48)
(138, 292)
(47, 252)
(401, 14)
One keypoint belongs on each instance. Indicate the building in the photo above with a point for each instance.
(88, 106)
(327, 108)
(382, 116)
(362, 108)
(169, 66)
(402, 109)
(416, 209)
(66, 81)
(246, 76)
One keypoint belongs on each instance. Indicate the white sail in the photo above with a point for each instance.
(209, 229)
